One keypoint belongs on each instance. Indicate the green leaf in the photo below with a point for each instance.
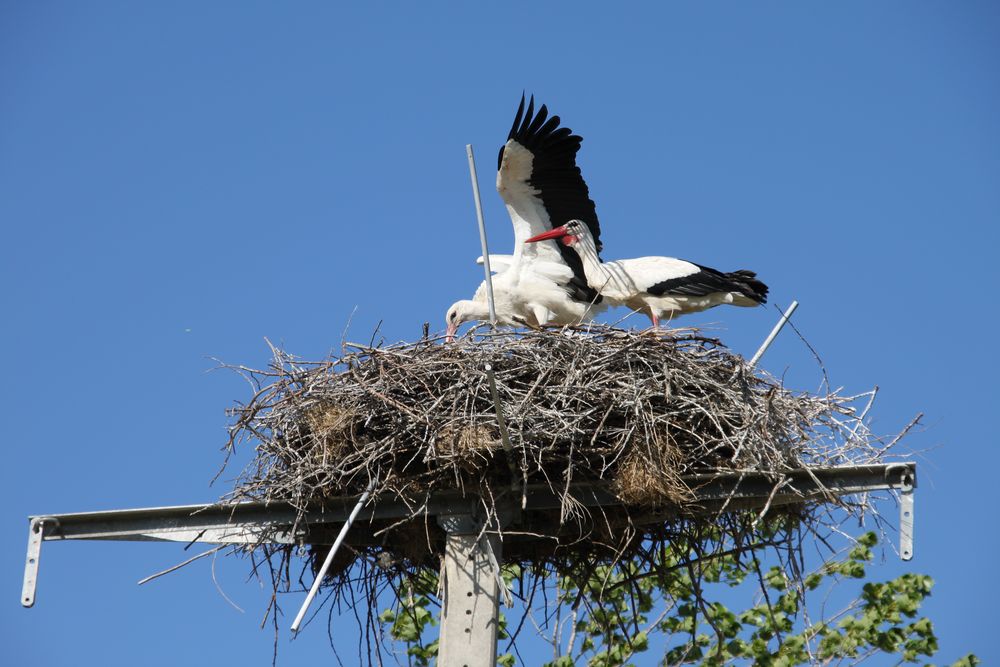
(640, 642)
(869, 539)
(561, 661)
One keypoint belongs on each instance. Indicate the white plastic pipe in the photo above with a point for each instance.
(774, 333)
(329, 557)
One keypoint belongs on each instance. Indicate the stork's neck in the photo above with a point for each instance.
(478, 308)
(607, 278)
(592, 264)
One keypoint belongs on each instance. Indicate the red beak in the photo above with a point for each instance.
(556, 233)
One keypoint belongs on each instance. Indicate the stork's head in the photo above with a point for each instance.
(570, 234)
(462, 312)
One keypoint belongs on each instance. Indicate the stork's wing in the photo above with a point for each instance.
(498, 263)
(682, 278)
(541, 185)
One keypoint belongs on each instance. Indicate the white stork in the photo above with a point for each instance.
(660, 287)
(542, 187)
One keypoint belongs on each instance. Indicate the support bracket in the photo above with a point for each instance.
(905, 484)
(36, 534)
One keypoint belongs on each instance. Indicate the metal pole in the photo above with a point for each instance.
(501, 422)
(329, 557)
(505, 436)
(774, 333)
(482, 235)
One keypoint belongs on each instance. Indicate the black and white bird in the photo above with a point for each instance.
(660, 287)
(542, 187)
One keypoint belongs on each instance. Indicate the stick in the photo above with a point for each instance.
(180, 565)
(482, 235)
(774, 333)
(329, 557)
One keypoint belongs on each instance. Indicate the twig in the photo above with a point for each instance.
(180, 565)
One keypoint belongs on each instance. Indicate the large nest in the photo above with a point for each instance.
(636, 414)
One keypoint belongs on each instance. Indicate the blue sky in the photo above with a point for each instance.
(179, 181)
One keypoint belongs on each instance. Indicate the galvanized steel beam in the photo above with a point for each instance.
(251, 523)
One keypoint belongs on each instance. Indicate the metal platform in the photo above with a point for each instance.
(250, 523)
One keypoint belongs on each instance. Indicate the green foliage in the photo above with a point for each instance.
(611, 613)
(882, 619)
(407, 624)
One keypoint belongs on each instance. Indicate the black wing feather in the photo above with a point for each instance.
(557, 177)
(554, 173)
(709, 281)
(520, 114)
(554, 170)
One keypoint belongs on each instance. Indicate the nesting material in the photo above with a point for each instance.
(633, 412)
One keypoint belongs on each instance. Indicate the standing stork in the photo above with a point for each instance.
(542, 188)
(660, 287)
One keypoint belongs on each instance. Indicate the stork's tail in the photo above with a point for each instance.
(746, 283)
